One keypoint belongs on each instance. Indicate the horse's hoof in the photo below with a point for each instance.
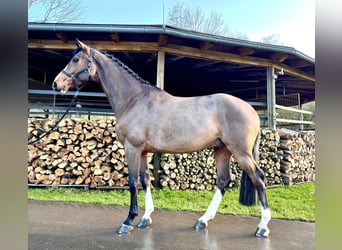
(144, 223)
(262, 232)
(200, 225)
(124, 229)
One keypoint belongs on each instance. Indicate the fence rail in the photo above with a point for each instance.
(300, 121)
(294, 109)
(295, 121)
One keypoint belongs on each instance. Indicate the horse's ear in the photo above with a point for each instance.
(82, 46)
(79, 43)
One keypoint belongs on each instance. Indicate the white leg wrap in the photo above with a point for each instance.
(265, 217)
(211, 210)
(149, 207)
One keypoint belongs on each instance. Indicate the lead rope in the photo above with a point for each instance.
(60, 119)
(73, 77)
(54, 101)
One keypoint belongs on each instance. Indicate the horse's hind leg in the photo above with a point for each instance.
(222, 157)
(256, 178)
(146, 185)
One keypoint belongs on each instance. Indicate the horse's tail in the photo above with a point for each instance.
(248, 194)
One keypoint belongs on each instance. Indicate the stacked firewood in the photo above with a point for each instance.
(298, 163)
(197, 170)
(77, 152)
(83, 152)
(188, 171)
(270, 156)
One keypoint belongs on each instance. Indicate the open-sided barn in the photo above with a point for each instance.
(183, 62)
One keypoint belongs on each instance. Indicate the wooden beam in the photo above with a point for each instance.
(162, 40)
(245, 51)
(216, 55)
(279, 57)
(107, 46)
(205, 45)
(115, 37)
(299, 64)
(61, 36)
(293, 72)
(153, 47)
(185, 51)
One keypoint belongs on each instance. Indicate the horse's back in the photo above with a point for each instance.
(196, 109)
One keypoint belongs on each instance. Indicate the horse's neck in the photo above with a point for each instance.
(120, 87)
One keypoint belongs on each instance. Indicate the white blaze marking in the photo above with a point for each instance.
(60, 73)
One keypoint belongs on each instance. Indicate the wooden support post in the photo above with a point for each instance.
(156, 167)
(160, 84)
(301, 115)
(160, 69)
(271, 98)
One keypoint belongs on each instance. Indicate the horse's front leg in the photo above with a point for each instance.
(146, 185)
(133, 156)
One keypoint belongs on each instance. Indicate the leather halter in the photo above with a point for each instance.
(75, 76)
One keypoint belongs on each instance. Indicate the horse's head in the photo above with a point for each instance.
(78, 71)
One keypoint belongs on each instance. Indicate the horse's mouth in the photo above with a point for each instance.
(64, 90)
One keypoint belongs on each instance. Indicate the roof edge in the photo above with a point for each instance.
(165, 29)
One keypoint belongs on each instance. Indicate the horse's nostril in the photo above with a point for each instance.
(54, 85)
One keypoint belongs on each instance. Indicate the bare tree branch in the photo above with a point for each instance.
(33, 2)
(59, 10)
(215, 24)
(195, 19)
(271, 39)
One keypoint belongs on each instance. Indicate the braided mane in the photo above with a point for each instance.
(121, 64)
(125, 67)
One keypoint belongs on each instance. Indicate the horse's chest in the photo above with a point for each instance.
(134, 133)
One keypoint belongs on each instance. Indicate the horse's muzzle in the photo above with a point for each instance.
(54, 85)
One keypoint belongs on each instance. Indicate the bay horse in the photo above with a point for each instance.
(150, 120)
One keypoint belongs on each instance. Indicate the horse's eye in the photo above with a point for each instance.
(75, 59)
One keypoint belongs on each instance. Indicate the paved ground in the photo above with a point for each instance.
(56, 225)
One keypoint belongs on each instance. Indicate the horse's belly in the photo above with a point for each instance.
(183, 130)
(180, 143)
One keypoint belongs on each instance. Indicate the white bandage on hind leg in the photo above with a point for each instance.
(265, 217)
(211, 210)
(149, 207)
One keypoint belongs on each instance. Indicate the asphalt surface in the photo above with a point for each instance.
(57, 225)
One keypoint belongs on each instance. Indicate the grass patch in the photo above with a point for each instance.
(289, 202)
